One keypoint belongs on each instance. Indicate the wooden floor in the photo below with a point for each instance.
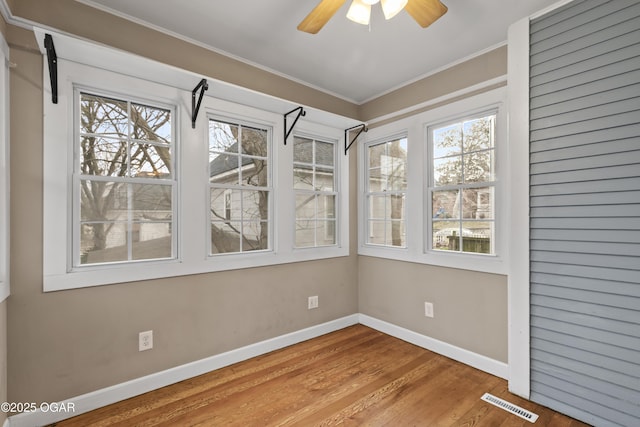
(353, 377)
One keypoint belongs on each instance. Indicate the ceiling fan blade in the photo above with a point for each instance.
(320, 16)
(425, 12)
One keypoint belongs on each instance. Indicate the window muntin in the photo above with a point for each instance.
(239, 187)
(462, 185)
(314, 183)
(124, 182)
(385, 193)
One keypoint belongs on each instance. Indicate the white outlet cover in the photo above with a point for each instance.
(428, 309)
(145, 340)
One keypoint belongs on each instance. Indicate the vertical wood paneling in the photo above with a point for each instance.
(585, 211)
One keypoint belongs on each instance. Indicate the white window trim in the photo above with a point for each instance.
(319, 134)
(4, 170)
(366, 210)
(90, 65)
(415, 128)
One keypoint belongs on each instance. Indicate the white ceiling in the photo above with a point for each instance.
(345, 59)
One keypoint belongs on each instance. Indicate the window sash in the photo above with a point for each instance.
(127, 221)
(392, 227)
(324, 228)
(230, 165)
(456, 240)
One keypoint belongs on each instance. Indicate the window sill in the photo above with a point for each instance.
(463, 261)
(112, 274)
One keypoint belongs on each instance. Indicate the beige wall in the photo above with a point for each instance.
(470, 308)
(67, 343)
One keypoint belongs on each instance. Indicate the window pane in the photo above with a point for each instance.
(446, 235)
(478, 134)
(103, 201)
(447, 171)
(306, 206)
(377, 232)
(151, 202)
(326, 207)
(303, 177)
(305, 233)
(255, 205)
(223, 137)
(326, 232)
(478, 167)
(225, 204)
(447, 141)
(103, 242)
(105, 116)
(150, 124)
(103, 156)
(150, 161)
(324, 179)
(479, 236)
(378, 207)
(477, 203)
(224, 169)
(225, 237)
(376, 183)
(254, 141)
(302, 150)
(151, 240)
(254, 172)
(324, 153)
(445, 204)
(255, 236)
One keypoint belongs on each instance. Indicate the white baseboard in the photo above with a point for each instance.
(478, 361)
(106, 396)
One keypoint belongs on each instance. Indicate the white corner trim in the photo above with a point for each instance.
(518, 277)
(475, 360)
(106, 396)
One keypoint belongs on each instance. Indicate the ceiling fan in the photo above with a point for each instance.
(425, 12)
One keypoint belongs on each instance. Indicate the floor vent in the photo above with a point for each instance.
(510, 407)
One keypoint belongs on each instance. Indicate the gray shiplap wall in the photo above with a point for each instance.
(585, 211)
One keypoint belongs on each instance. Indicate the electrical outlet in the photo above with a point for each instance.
(145, 340)
(313, 302)
(428, 309)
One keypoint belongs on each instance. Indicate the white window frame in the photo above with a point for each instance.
(431, 187)
(367, 193)
(418, 168)
(335, 192)
(4, 170)
(82, 63)
(171, 182)
(229, 188)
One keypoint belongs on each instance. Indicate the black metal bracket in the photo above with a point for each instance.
(203, 86)
(53, 66)
(363, 128)
(287, 132)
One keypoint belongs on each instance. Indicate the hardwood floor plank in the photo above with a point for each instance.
(353, 377)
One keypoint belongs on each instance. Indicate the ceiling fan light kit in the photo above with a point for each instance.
(425, 12)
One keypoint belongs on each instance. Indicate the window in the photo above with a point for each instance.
(239, 187)
(133, 190)
(444, 203)
(386, 188)
(314, 183)
(124, 187)
(462, 182)
(4, 169)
